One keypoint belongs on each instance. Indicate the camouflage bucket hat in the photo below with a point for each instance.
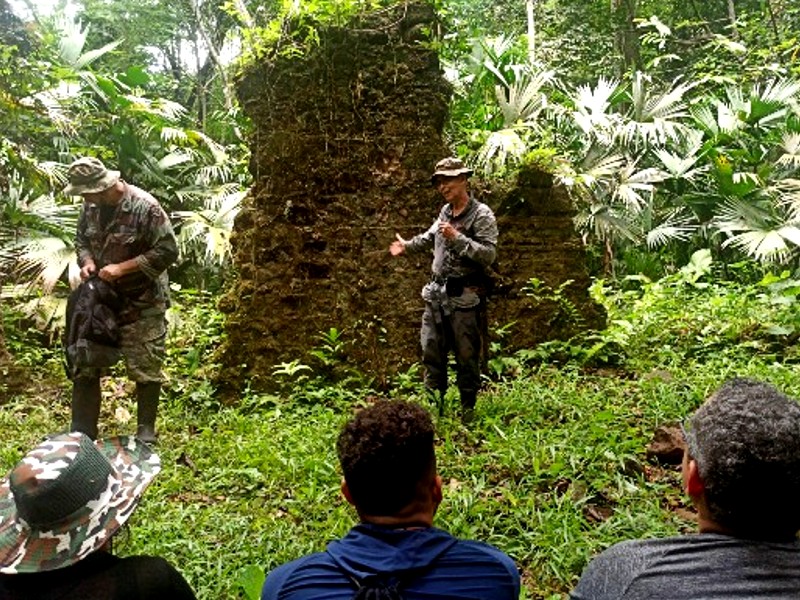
(67, 497)
(89, 176)
(450, 167)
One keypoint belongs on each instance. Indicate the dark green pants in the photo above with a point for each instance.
(458, 332)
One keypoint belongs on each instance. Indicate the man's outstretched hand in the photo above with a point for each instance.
(397, 247)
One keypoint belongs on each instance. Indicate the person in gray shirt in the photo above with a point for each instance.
(464, 243)
(741, 469)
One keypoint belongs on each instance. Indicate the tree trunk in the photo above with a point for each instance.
(773, 21)
(627, 41)
(700, 17)
(529, 4)
(732, 19)
(214, 41)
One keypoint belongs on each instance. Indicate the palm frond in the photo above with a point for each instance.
(647, 105)
(767, 245)
(72, 37)
(737, 214)
(47, 311)
(523, 100)
(790, 144)
(632, 184)
(92, 55)
(174, 135)
(677, 226)
(704, 117)
(680, 167)
(173, 159)
(500, 149)
(595, 100)
(599, 168)
(607, 222)
(216, 149)
(728, 120)
(778, 92)
(787, 192)
(208, 231)
(44, 260)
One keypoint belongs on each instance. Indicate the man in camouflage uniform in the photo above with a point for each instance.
(125, 238)
(464, 240)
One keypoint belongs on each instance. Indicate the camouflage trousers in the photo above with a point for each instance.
(143, 348)
(458, 332)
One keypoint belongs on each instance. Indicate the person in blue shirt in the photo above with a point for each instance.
(387, 456)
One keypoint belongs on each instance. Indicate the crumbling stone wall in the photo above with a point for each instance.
(538, 241)
(343, 145)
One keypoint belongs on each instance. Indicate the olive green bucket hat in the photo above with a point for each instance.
(450, 167)
(88, 175)
(67, 497)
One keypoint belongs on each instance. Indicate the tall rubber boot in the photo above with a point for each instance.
(85, 406)
(468, 400)
(146, 408)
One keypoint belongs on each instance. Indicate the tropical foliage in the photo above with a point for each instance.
(64, 108)
(676, 127)
(666, 147)
(654, 165)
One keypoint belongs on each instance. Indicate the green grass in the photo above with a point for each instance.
(553, 470)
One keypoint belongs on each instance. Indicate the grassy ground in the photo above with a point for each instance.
(553, 469)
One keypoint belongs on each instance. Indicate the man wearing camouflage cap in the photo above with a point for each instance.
(125, 238)
(463, 239)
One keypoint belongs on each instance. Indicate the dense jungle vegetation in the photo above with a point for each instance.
(676, 128)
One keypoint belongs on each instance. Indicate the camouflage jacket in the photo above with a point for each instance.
(140, 230)
(468, 254)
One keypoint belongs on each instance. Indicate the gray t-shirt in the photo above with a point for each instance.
(705, 566)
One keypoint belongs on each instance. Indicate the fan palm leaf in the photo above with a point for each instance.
(787, 192)
(767, 245)
(769, 105)
(592, 110)
(607, 222)
(655, 118)
(36, 239)
(636, 188)
(500, 149)
(759, 227)
(676, 226)
(523, 100)
(208, 231)
(790, 144)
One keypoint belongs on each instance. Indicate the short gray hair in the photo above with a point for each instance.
(746, 441)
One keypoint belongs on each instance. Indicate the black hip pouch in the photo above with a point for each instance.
(454, 286)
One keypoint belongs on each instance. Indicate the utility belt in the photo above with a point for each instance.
(454, 286)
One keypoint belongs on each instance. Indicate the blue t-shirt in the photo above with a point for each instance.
(426, 564)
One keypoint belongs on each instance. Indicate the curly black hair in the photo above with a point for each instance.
(386, 451)
(746, 441)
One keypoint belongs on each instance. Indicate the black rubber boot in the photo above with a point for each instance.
(468, 400)
(146, 408)
(85, 406)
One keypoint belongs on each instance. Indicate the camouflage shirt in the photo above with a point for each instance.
(462, 256)
(139, 229)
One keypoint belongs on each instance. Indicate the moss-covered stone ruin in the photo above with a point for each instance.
(344, 141)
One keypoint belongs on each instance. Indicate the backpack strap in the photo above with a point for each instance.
(375, 587)
(384, 586)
